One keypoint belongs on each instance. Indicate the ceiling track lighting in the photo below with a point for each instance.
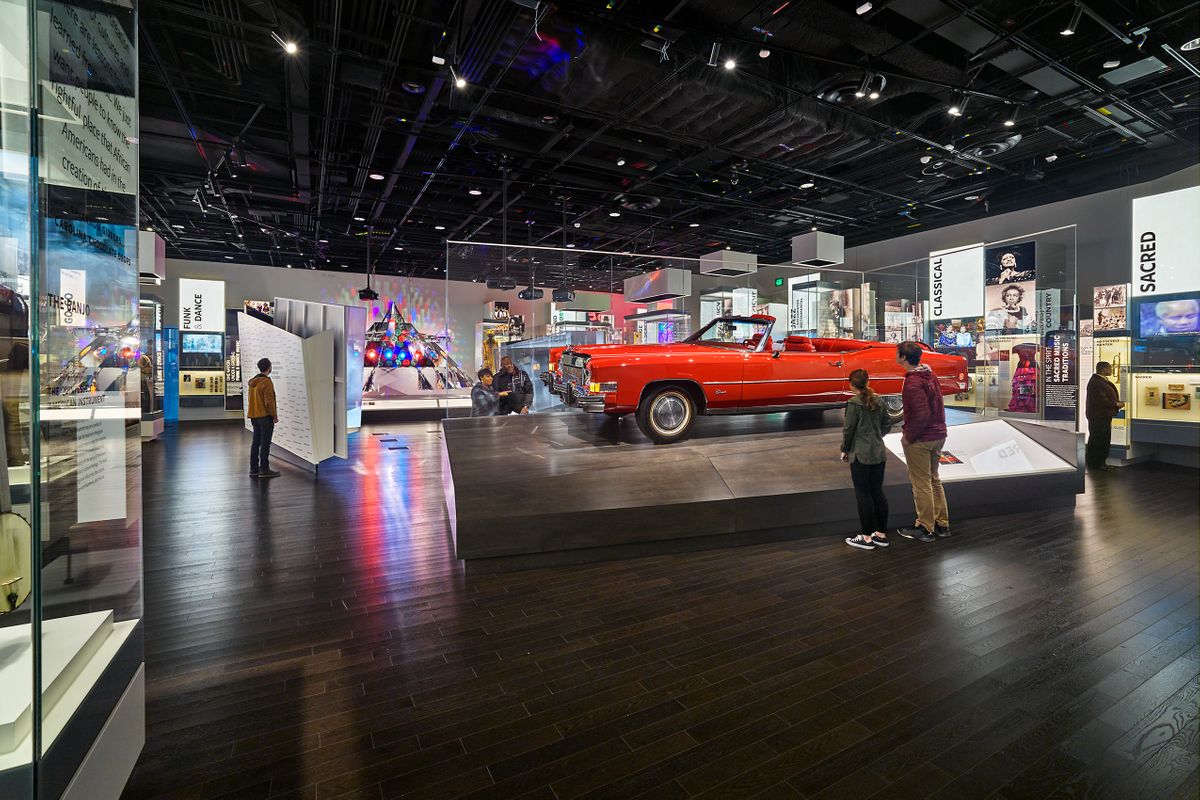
(1178, 56)
(289, 47)
(1076, 15)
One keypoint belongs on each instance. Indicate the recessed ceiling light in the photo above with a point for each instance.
(764, 53)
(474, 192)
(730, 64)
(614, 213)
(439, 227)
(1193, 44)
(807, 185)
(694, 225)
(360, 219)
(576, 224)
(375, 176)
(620, 161)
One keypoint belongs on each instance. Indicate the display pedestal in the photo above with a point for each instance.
(583, 487)
(152, 426)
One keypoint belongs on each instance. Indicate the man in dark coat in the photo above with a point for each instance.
(1103, 403)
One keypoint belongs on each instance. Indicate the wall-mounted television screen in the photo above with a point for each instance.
(202, 343)
(1168, 315)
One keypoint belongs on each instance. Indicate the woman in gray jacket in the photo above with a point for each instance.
(867, 420)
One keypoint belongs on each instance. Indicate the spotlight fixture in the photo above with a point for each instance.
(864, 8)
(289, 47)
(576, 224)
(614, 213)
(861, 91)
(971, 198)
(874, 93)
(177, 226)
(694, 225)
(360, 219)
(730, 64)
(459, 80)
(439, 227)
(714, 55)
(814, 227)
(807, 185)
(229, 258)
(1050, 159)
(323, 241)
(955, 110)
(764, 53)
(474, 192)
(1074, 23)
(926, 159)
(397, 248)
(1011, 121)
(570, 244)
(620, 161)
(375, 176)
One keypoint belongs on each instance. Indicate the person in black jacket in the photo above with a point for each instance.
(1103, 403)
(514, 388)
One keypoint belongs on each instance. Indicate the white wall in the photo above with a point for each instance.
(1104, 225)
(421, 300)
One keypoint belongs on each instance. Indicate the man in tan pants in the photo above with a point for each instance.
(924, 435)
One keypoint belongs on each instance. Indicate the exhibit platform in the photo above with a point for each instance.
(568, 487)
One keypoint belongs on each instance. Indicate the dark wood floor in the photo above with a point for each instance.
(316, 639)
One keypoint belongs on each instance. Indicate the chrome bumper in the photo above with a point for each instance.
(578, 397)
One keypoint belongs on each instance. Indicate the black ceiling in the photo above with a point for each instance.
(594, 107)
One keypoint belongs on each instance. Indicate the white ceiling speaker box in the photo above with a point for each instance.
(729, 263)
(151, 255)
(818, 249)
(662, 284)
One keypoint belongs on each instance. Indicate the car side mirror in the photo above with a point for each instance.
(776, 354)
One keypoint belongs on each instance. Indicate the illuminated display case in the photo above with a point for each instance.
(70, 495)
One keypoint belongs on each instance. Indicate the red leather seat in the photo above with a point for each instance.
(798, 344)
(752, 343)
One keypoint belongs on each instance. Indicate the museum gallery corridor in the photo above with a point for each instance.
(316, 639)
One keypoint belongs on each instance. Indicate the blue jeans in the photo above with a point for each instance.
(260, 448)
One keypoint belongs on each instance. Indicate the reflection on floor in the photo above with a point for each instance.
(315, 639)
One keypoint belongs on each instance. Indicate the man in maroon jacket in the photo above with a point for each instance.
(923, 437)
(1103, 403)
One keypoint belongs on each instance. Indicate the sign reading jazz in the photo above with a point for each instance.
(956, 282)
(1166, 243)
(201, 305)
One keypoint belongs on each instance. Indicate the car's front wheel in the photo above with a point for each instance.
(665, 415)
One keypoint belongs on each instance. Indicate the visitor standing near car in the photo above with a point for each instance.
(484, 400)
(867, 422)
(513, 387)
(923, 437)
(1103, 403)
(260, 408)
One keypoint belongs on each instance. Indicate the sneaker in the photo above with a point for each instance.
(941, 531)
(917, 534)
(269, 474)
(879, 541)
(861, 542)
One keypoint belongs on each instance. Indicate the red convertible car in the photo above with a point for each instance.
(730, 366)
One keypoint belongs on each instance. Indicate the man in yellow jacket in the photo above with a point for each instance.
(260, 409)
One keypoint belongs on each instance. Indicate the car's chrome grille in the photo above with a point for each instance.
(572, 374)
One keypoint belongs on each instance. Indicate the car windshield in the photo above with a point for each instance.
(733, 332)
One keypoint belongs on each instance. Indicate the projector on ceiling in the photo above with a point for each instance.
(368, 294)
(531, 294)
(564, 295)
(504, 284)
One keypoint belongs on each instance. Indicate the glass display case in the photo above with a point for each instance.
(70, 529)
